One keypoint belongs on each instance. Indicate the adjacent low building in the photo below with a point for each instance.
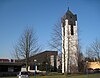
(93, 67)
(9, 67)
(43, 61)
(47, 60)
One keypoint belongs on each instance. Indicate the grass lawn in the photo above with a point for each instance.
(71, 76)
(63, 76)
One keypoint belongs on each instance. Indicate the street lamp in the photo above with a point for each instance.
(87, 68)
(39, 66)
(46, 67)
(35, 68)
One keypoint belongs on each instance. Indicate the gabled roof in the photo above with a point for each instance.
(10, 64)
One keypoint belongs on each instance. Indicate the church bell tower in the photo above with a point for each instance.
(69, 43)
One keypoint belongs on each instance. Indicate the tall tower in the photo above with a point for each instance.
(69, 43)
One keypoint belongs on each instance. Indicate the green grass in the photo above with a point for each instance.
(71, 76)
(63, 76)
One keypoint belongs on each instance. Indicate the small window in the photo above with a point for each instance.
(70, 16)
(72, 30)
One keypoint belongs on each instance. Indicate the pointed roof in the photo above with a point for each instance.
(69, 12)
(70, 16)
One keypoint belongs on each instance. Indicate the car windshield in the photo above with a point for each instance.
(24, 73)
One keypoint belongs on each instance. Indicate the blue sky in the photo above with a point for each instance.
(16, 15)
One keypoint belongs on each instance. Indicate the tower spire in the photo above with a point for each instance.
(68, 4)
(68, 8)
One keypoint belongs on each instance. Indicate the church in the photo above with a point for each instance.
(69, 43)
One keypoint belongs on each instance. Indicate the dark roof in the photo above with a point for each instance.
(70, 16)
(10, 64)
(47, 52)
(69, 12)
(43, 55)
(40, 57)
(4, 60)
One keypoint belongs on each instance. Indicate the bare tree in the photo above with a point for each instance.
(81, 60)
(26, 46)
(56, 39)
(93, 50)
(56, 42)
(89, 53)
(96, 48)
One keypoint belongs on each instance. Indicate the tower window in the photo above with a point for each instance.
(72, 30)
(70, 16)
(63, 23)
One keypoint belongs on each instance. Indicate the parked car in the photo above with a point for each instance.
(23, 74)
